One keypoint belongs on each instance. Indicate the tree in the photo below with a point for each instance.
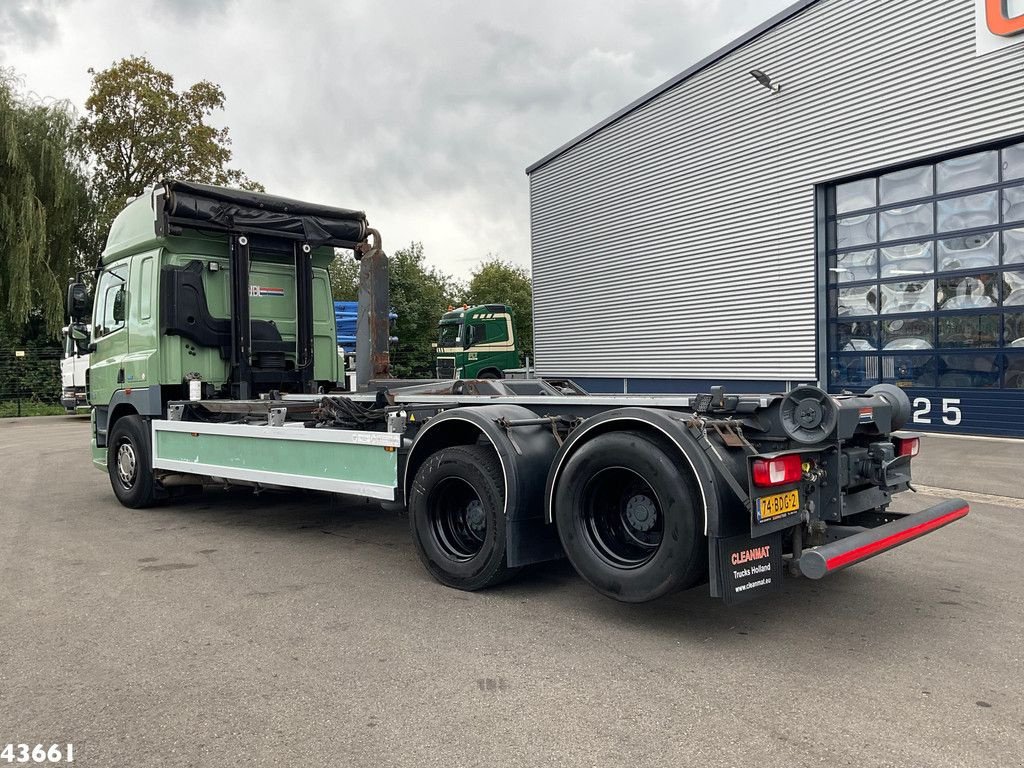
(139, 129)
(344, 273)
(419, 296)
(45, 207)
(497, 281)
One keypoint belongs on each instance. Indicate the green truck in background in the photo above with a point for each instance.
(477, 342)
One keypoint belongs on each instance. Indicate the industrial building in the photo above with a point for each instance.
(835, 197)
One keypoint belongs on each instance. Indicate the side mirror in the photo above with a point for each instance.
(118, 314)
(80, 335)
(79, 302)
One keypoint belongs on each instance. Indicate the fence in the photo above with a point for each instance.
(30, 383)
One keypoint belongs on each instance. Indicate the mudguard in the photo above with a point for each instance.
(672, 426)
(525, 452)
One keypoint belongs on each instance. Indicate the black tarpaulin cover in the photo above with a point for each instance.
(256, 212)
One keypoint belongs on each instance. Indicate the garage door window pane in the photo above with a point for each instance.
(855, 301)
(1013, 162)
(855, 336)
(968, 171)
(910, 184)
(1013, 204)
(968, 292)
(910, 259)
(853, 371)
(909, 370)
(853, 266)
(1013, 289)
(1014, 376)
(909, 221)
(912, 296)
(1013, 246)
(855, 196)
(855, 230)
(969, 371)
(969, 252)
(908, 333)
(969, 331)
(969, 211)
(1013, 335)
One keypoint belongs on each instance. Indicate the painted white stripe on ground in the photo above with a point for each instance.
(968, 496)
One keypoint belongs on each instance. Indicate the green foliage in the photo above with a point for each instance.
(45, 206)
(34, 378)
(344, 272)
(139, 129)
(11, 408)
(420, 295)
(497, 281)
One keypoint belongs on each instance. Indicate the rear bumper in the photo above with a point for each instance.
(829, 558)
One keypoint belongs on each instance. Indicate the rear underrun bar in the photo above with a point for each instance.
(821, 561)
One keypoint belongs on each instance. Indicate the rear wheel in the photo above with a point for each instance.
(457, 517)
(129, 462)
(490, 374)
(627, 517)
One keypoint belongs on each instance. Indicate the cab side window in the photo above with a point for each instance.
(497, 331)
(111, 302)
(475, 334)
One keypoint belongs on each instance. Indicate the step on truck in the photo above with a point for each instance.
(214, 363)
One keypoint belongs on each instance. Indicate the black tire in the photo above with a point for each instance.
(490, 374)
(627, 511)
(457, 517)
(129, 462)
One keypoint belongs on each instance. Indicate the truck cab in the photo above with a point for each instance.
(74, 368)
(476, 342)
(161, 311)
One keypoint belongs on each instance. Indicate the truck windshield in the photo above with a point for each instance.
(449, 335)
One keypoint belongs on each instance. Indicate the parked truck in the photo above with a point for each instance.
(74, 368)
(477, 342)
(214, 362)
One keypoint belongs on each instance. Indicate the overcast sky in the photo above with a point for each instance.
(423, 114)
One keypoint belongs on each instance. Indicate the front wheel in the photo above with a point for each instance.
(457, 517)
(129, 462)
(627, 515)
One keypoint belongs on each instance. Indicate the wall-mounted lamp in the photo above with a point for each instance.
(765, 80)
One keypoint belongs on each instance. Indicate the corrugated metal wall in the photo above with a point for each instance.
(678, 242)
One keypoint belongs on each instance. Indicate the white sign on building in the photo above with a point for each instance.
(998, 24)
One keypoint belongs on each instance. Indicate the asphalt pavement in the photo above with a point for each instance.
(298, 630)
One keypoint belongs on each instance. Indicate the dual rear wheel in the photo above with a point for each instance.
(626, 512)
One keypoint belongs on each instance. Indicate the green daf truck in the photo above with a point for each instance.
(477, 342)
(214, 363)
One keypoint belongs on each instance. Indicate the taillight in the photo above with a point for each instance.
(778, 471)
(907, 446)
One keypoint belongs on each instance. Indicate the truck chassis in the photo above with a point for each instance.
(644, 494)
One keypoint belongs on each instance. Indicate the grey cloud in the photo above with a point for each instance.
(424, 114)
(26, 24)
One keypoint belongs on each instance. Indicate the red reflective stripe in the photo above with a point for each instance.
(890, 541)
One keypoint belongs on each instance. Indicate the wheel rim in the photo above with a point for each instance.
(458, 521)
(127, 465)
(622, 517)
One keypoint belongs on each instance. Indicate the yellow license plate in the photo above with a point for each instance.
(776, 505)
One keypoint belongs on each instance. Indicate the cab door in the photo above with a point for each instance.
(110, 335)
